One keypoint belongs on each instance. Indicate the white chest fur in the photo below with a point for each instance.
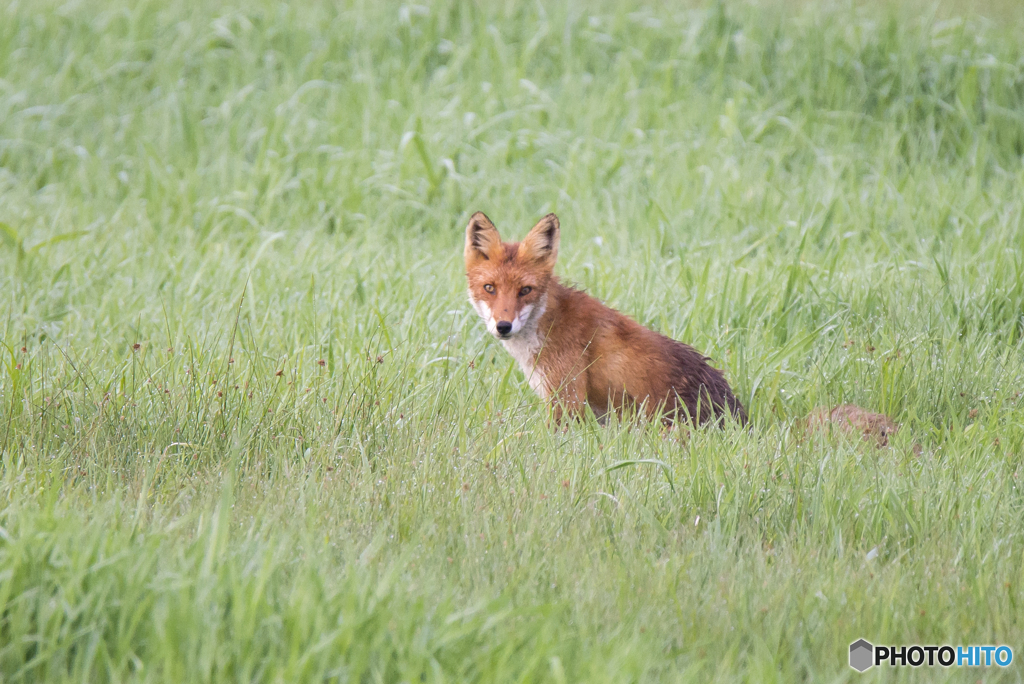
(526, 342)
(524, 349)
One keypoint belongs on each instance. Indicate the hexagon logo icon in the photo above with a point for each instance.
(861, 655)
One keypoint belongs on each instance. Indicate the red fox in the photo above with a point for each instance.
(574, 349)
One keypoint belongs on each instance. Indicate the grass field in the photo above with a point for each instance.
(251, 430)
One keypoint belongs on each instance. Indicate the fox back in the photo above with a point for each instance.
(576, 351)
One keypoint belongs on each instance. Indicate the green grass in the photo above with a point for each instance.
(252, 431)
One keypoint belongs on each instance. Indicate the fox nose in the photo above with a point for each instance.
(504, 327)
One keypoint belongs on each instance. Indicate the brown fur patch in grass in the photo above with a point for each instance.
(851, 420)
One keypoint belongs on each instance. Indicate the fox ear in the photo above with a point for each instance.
(482, 240)
(541, 243)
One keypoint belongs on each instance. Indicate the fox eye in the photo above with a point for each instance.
(489, 288)
(525, 291)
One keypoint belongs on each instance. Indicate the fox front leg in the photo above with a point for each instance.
(570, 400)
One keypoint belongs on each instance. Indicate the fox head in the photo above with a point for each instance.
(508, 281)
